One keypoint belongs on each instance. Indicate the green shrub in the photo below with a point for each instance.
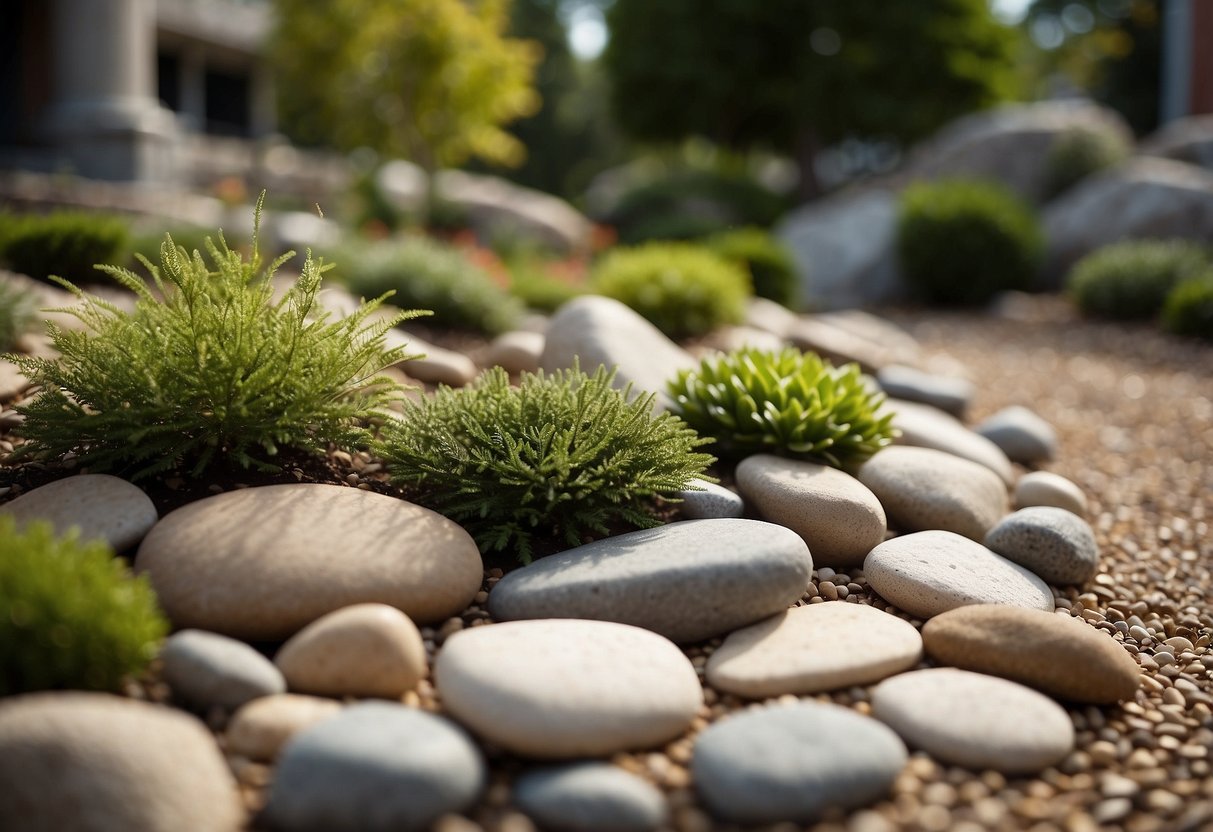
(557, 457)
(430, 275)
(66, 244)
(18, 312)
(209, 367)
(1131, 279)
(789, 403)
(71, 614)
(538, 290)
(190, 237)
(768, 261)
(963, 242)
(1189, 307)
(683, 289)
(1079, 152)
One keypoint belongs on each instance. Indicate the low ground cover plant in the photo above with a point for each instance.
(1130, 280)
(209, 368)
(558, 457)
(74, 617)
(961, 242)
(1189, 307)
(427, 274)
(768, 261)
(67, 244)
(682, 288)
(789, 403)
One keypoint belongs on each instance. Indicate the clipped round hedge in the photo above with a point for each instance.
(1131, 280)
(1189, 307)
(961, 242)
(769, 262)
(683, 289)
(66, 244)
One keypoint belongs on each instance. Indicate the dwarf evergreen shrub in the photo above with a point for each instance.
(71, 614)
(67, 244)
(963, 242)
(1189, 307)
(683, 289)
(789, 403)
(208, 368)
(1079, 152)
(18, 311)
(558, 457)
(769, 263)
(1131, 279)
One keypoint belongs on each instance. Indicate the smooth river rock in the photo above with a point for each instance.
(1058, 654)
(838, 516)
(101, 763)
(561, 688)
(261, 563)
(209, 670)
(99, 505)
(814, 648)
(928, 573)
(374, 767)
(687, 581)
(590, 797)
(1021, 434)
(1056, 544)
(792, 762)
(1044, 488)
(948, 393)
(709, 502)
(363, 650)
(976, 721)
(261, 728)
(923, 426)
(516, 352)
(923, 489)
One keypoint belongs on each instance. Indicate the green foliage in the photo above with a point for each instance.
(1131, 279)
(18, 312)
(425, 273)
(683, 289)
(71, 614)
(789, 403)
(558, 457)
(209, 367)
(430, 80)
(1080, 152)
(537, 289)
(768, 261)
(65, 244)
(189, 237)
(963, 242)
(1189, 307)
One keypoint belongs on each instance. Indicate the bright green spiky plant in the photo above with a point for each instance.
(207, 368)
(788, 402)
(557, 457)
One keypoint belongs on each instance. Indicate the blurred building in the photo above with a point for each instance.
(146, 90)
(1187, 71)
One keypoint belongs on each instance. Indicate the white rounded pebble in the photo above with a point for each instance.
(100, 506)
(1044, 488)
(516, 351)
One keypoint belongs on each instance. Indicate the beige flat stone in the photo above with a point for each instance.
(924, 426)
(516, 352)
(100, 506)
(1044, 488)
(261, 728)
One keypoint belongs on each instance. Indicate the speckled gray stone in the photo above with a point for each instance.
(923, 489)
(974, 720)
(207, 670)
(590, 797)
(374, 767)
(1056, 544)
(792, 762)
(922, 426)
(712, 503)
(1021, 434)
(687, 581)
(949, 394)
(99, 505)
(838, 516)
(1044, 488)
(935, 571)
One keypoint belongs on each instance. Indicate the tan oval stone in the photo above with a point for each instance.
(516, 351)
(261, 563)
(1044, 488)
(261, 728)
(838, 516)
(815, 648)
(363, 650)
(100, 506)
(1057, 654)
(923, 426)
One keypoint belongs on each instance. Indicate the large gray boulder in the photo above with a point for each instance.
(1184, 140)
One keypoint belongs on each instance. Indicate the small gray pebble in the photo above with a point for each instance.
(590, 797)
(714, 501)
(1021, 434)
(207, 670)
(1056, 544)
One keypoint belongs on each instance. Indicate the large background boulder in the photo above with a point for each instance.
(1184, 140)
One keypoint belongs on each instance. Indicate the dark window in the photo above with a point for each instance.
(168, 80)
(227, 104)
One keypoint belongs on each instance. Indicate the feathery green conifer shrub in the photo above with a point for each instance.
(208, 368)
(1131, 279)
(789, 403)
(682, 288)
(963, 241)
(767, 260)
(71, 614)
(66, 244)
(18, 311)
(427, 274)
(1189, 307)
(555, 458)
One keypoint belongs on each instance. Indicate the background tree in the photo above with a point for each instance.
(794, 75)
(432, 81)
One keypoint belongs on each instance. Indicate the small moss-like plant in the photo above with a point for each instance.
(558, 457)
(1079, 152)
(71, 614)
(768, 261)
(1131, 279)
(66, 244)
(683, 289)
(962, 242)
(18, 311)
(788, 403)
(1189, 307)
(208, 367)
